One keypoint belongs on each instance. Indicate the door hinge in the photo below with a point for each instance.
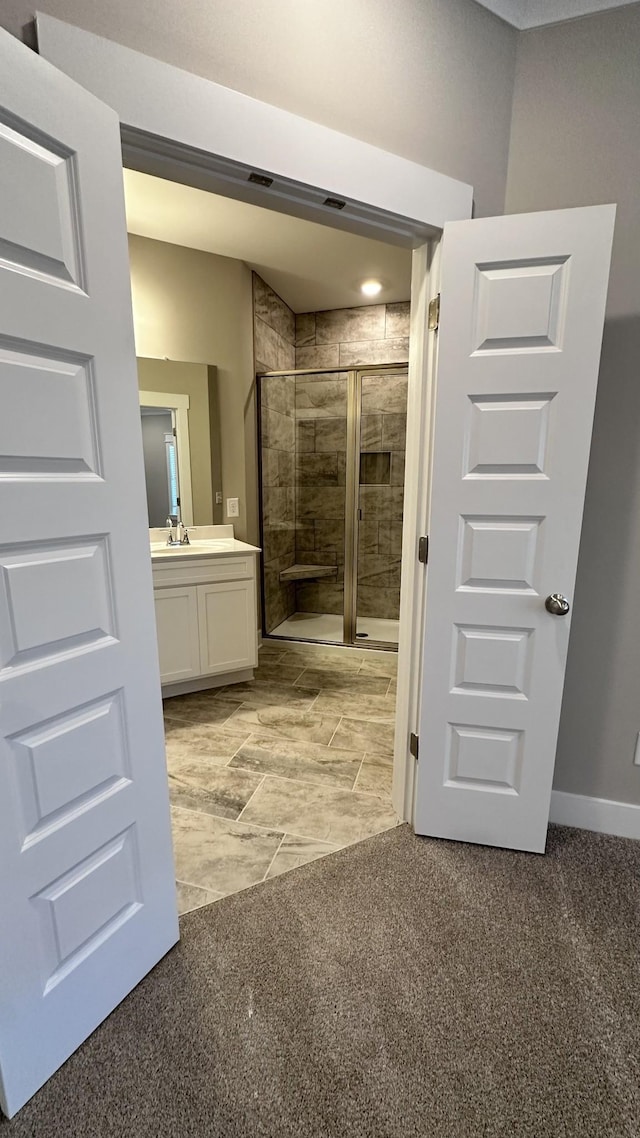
(434, 313)
(423, 550)
(414, 745)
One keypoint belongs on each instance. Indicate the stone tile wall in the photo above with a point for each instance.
(273, 329)
(321, 452)
(321, 436)
(304, 441)
(353, 337)
(278, 441)
(383, 431)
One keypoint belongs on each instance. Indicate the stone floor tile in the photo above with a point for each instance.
(300, 759)
(218, 854)
(336, 816)
(298, 851)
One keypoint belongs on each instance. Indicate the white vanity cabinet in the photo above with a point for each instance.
(227, 622)
(177, 626)
(206, 617)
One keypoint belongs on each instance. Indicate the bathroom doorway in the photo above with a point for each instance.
(332, 459)
(289, 757)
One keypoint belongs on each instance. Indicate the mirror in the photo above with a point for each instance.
(160, 452)
(181, 441)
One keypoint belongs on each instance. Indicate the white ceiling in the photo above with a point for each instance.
(311, 266)
(535, 13)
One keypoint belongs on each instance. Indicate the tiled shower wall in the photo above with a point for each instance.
(304, 452)
(304, 443)
(353, 337)
(274, 329)
(277, 409)
(321, 434)
(321, 452)
(339, 337)
(383, 432)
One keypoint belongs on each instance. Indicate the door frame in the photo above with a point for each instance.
(423, 358)
(179, 404)
(188, 129)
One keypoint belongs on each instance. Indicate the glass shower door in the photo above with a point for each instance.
(332, 485)
(380, 460)
(303, 435)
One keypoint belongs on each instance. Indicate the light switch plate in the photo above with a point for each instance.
(233, 507)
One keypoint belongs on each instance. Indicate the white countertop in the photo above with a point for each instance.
(205, 541)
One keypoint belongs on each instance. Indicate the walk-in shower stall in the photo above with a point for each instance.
(332, 448)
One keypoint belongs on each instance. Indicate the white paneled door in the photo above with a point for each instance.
(521, 322)
(86, 874)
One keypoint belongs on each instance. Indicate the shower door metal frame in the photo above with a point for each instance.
(352, 495)
(352, 506)
(260, 378)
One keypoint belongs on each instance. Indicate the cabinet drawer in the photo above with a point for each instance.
(202, 570)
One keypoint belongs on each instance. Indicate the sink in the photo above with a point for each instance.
(213, 545)
(206, 541)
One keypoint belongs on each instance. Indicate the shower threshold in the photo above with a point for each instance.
(328, 627)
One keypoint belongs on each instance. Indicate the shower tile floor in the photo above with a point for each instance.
(269, 774)
(329, 626)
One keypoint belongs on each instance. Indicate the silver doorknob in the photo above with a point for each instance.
(557, 605)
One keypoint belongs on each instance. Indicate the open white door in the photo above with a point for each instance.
(86, 874)
(521, 319)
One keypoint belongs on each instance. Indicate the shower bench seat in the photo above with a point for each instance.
(307, 572)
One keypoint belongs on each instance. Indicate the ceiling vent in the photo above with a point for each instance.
(260, 179)
(334, 203)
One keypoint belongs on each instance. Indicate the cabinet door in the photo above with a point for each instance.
(178, 636)
(228, 626)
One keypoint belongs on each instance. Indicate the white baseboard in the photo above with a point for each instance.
(599, 814)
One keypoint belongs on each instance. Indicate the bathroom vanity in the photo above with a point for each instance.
(206, 609)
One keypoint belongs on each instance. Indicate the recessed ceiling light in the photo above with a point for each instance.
(371, 288)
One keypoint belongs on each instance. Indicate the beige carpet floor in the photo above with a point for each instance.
(400, 987)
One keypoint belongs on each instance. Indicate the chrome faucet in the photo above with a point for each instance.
(170, 538)
(177, 540)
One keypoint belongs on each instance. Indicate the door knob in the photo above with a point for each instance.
(557, 605)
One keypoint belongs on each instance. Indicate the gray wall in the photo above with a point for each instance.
(428, 79)
(576, 141)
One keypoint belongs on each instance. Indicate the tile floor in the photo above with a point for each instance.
(267, 775)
